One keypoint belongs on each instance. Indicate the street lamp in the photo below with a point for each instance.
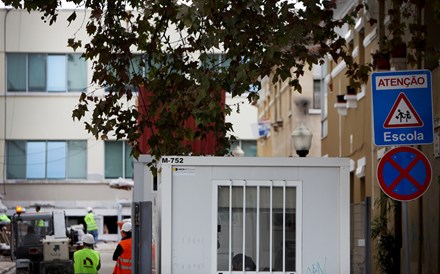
(302, 140)
(237, 152)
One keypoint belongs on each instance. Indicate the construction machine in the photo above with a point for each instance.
(41, 243)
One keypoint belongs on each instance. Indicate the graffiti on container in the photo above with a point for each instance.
(318, 267)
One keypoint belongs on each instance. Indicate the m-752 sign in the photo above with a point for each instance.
(402, 108)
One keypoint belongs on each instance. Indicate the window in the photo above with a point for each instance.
(324, 127)
(317, 94)
(118, 162)
(38, 160)
(31, 230)
(361, 46)
(215, 60)
(218, 61)
(29, 72)
(136, 68)
(351, 44)
(249, 147)
(255, 219)
(137, 65)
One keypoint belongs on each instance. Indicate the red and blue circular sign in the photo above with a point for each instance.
(404, 173)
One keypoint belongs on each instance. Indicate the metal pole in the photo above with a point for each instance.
(405, 236)
(142, 238)
(143, 179)
(142, 216)
(367, 235)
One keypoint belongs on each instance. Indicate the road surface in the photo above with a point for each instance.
(106, 251)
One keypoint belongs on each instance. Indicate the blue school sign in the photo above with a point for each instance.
(402, 108)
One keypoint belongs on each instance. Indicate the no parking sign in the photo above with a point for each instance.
(404, 173)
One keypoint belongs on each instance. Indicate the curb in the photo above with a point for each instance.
(7, 269)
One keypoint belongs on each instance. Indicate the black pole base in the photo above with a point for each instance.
(302, 153)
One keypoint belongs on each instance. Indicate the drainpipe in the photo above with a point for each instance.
(367, 235)
(381, 25)
(4, 107)
(120, 206)
(420, 21)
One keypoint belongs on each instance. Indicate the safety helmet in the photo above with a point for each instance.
(89, 209)
(126, 227)
(88, 239)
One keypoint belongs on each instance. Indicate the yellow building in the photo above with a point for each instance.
(281, 110)
(411, 231)
(350, 134)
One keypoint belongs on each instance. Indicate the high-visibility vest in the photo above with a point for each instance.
(123, 263)
(40, 223)
(90, 221)
(4, 218)
(86, 260)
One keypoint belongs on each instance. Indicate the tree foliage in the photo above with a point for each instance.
(177, 40)
(387, 245)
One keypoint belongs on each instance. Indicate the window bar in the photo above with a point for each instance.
(27, 73)
(270, 227)
(66, 62)
(258, 229)
(66, 153)
(46, 157)
(244, 227)
(123, 160)
(284, 226)
(230, 226)
(47, 72)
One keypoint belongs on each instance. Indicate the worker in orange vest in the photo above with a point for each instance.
(122, 253)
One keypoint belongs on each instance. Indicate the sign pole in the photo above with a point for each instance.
(403, 115)
(405, 236)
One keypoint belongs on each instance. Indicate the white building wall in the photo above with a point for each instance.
(47, 116)
(26, 32)
(245, 122)
(42, 115)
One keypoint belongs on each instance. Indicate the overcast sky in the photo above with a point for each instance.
(65, 5)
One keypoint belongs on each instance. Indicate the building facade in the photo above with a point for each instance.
(345, 130)
(47, 158)
(349, 121)
(281, 110)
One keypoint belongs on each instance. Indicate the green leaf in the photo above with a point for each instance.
(176, 42)
(72, 17)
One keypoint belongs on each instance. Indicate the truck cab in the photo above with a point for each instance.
(40, 241)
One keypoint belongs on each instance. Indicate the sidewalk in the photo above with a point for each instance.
(101, 245)
(6, 264)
